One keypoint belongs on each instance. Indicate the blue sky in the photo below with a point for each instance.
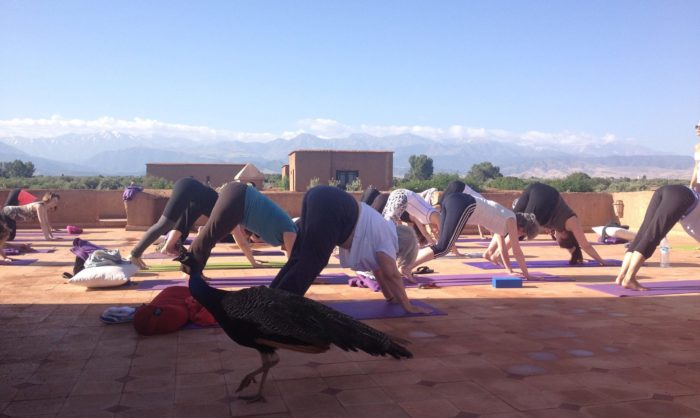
(594, 70)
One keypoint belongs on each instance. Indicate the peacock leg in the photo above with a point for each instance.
(269, 360)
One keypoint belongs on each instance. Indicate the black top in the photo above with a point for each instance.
(547, 205)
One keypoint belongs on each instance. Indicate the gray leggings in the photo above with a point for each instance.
(159, 228)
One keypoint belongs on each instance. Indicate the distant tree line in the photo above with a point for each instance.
(485, 175)
(421, 176)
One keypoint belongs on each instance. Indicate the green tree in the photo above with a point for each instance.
(482, 172)
(421, 167)
(17, 168)
(577, 182)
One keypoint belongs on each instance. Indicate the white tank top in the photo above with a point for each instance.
(491, 215)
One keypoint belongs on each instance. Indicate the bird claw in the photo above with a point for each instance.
(245, 383)
(253, 398)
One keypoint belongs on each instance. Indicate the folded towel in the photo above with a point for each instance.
(118, 315)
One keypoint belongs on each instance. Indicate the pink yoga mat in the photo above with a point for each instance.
(160, 284)
(446, 280)
(485, 265)
(677, 287)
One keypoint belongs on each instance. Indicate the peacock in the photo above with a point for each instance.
(268, 319)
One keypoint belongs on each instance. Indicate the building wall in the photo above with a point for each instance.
(635, 207)
(374, 167)
(218, 173)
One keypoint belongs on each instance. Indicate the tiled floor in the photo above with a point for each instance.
(547, 350)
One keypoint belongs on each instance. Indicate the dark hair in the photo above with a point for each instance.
(369, 195)
(455, 186)
(528, 222)
(380, 202)
(568, 241)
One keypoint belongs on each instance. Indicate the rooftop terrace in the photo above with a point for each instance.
(550, 349)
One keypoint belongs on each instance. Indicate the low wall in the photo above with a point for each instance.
(91, 208)
(592, 208)
(635, 207)
(84, 208)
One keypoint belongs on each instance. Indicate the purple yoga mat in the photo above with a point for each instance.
(655, 288)
(21, 262)
(376, 309)
(539, 243)
(486, 240)
(219, 254)
(12, 251)
(161, 284)
(486, 265)
(446, 280)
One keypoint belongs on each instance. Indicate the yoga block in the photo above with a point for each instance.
(506, 282)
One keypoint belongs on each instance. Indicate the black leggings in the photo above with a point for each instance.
(12, 200)
(456, 210)
(226, 215)
(667, 206)
(328, 216)
(176, 207)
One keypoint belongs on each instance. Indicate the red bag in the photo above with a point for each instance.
(165, 314)
(26, 198)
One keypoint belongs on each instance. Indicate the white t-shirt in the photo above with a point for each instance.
(468, 190)
(490, 215)
(373, 234)
(419, 208)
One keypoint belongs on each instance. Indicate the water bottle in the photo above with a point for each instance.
(665, 253)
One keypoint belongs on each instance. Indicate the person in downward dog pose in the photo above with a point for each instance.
(420, 213)
(553, 213)
(189, 200)
(669, 204)
(331, 217)
(242, 207)
(459, 209)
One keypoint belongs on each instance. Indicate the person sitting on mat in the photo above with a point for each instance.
(554, 214)
(35, 211)
(189, 200)
(242, 206)
(669, 204)
(331, 217)
(420, 213)
(459, 209)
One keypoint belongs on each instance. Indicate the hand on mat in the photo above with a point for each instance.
(417, 309)
(259, 263)
(138, 262)
(6, 260)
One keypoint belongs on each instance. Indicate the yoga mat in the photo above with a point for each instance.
(40, 233)
(542, 264)
(676, 287)
(12, 251)
(213, 266)
(341, 278)
(446, 280)
(21, 262)
(473, 240)
(541, 243)
(377, 309)
(219, 254)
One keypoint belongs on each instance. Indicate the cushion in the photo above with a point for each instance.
(105, 276)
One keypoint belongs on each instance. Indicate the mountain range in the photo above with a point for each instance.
(115, 153)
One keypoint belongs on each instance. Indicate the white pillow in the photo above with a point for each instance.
(104, 276)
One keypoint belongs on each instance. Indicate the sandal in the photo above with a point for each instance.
(424, 270)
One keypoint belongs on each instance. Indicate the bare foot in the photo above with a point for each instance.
(633, 284)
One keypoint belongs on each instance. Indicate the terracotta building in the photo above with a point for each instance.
(372, 167)
(214, 174)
